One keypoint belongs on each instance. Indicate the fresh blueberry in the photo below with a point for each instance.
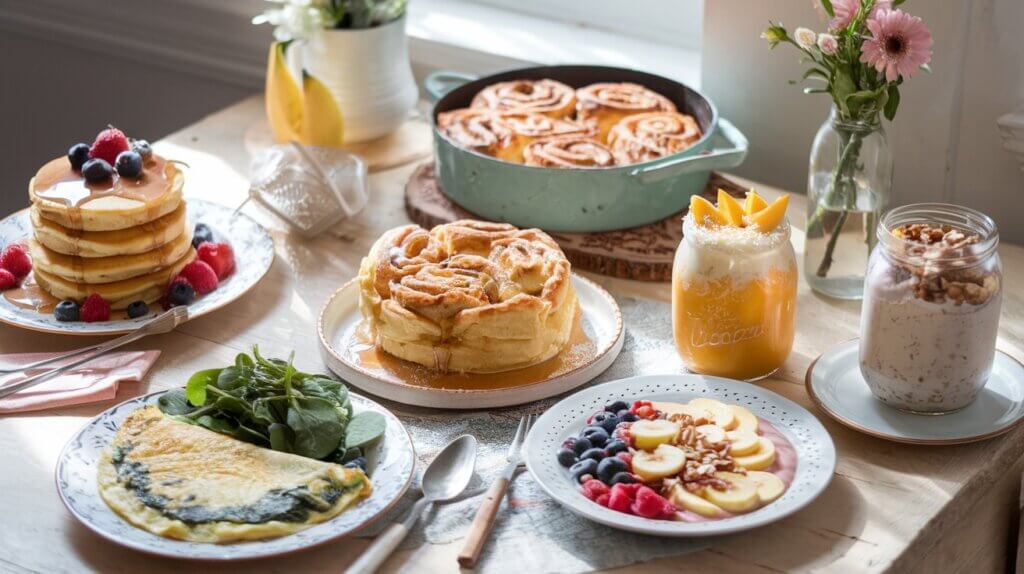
(137, 309)
(78, 155)
(583, 469)
(128, 164)
(616, 406)
(66, 310)
(201, 234)
(359, 462)
(626, 417)
(623, 477)
(566, 457)
(596, 435)
(142, 148)
(96, 170)
(615, 446)
(607, 421)
(579, 445)
(609, 467)
(593, 454)
(181, 294)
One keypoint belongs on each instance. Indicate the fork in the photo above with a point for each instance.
(484, 519)
(162, 323)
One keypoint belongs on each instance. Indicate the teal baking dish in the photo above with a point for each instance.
(586, 199)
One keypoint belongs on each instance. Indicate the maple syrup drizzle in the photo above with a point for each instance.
(31, 296)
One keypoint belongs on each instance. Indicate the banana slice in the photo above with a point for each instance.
(720, 412)
(760, 460)
(666, 460)
(769, 486)
(712, 433)
(747, 420)
(648, 434)
(742, 442)
(740, 497)
(685, 500)
(699, 415)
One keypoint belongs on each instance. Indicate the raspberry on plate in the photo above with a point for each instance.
(7, 280)
(620, 500)
(650, 504)
(108, 144)
(15, 260)
(95, 308)
(594, 488)
(201, 276)
(218, 256)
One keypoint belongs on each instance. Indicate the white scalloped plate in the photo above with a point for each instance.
(390, 464)
(816, 454)
(254, 252)
(601, 320)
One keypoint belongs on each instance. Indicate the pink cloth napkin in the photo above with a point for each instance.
(92, 382)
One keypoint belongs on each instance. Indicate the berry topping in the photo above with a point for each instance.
(596, 435)
(78, 155)
(622, 478)
(108, 144)
(219, 256)
(95, 309)
(15, 260)
(583, 470)
(142, 148)
(638, 404)
(128, 164)
(580, 445)
(593, 454)
(358, 462)
(137, 309)
(603, 499)
(609, 467)
(650, 504)
(180, 292)
(594, 488)
(66, 311)
(202, 234)
(97, 170)
(7, 280)
(566, 457)
(616, 406)
(200, 276)
(620, 499)
(615, 446)
(646, 412)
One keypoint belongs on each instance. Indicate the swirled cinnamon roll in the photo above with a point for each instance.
(468, 296)
(568, 151)
(601, 106)
(476, 129)
(644, 137)
(548, 97)
(529, 127)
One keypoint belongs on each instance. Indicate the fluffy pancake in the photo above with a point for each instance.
(140, 239)
(183, 481)
(119, 294)
(468, 296)
(60, 194)
(109, 269)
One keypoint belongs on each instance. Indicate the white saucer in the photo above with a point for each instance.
(835, 384)
(601, 320)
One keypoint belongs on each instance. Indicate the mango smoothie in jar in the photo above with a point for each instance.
(734, 287)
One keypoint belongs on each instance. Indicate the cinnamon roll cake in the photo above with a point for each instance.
(568, 151)
(468, 296)
(547, 97)
(601, 106)
(643, 137)
(476, 129)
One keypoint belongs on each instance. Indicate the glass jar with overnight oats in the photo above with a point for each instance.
(931, 308)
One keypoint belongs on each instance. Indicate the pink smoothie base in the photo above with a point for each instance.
(784, 467)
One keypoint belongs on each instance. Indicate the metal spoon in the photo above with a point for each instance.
(445, 478)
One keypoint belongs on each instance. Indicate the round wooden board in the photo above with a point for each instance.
(644, 253)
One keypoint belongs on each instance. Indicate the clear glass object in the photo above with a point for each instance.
(734, 300)
(310, 187)
(848, 186)
(930, 316)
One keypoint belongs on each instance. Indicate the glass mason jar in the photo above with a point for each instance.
(848, 185)
(734, 300)
(931, 308)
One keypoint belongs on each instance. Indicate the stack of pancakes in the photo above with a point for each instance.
(123, 238)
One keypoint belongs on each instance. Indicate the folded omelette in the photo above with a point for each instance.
(186, 482)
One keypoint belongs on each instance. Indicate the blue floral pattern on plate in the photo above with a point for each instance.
(390, 464)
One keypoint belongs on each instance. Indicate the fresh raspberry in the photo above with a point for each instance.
(638, 404)
(219, 256)
(620, 500)
(650, 504)
(603, 499)
(7, 280)
(200, 276)
(15, 260)
(626, 458)
(628, 488)
(95, 309)
(594, 488)
(108, 144)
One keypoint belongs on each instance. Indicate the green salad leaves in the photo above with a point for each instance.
(269, 403)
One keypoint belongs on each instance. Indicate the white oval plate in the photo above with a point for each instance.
(601, 319)
(390, 464)
(254, 252)
(837, 387)
(816, 455)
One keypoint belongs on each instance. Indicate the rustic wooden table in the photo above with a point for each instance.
(890, 507)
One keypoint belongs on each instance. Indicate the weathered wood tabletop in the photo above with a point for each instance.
(890, 507)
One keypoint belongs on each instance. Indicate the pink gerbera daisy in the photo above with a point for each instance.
(845, 10)
(899, 44)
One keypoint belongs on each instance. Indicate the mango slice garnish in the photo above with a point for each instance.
(770, 217)
(753, 203)
(704, 213)
(731, 209)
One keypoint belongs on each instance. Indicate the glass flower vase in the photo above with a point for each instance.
(848, 186)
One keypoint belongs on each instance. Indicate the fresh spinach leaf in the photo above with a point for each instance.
(281, 437)
(317, 426)
(174, 403)
(231, 378)
(195, 388)
(364, 428)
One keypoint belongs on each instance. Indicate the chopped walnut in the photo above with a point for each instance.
(703, 458)
(935, 282)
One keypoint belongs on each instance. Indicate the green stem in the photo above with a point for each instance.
(851, 151)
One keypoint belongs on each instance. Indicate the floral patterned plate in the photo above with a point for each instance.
(254, 252)
(390, 464)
